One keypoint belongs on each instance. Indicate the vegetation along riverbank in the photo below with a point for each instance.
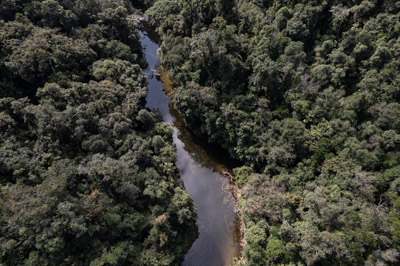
(304, 94)
(87, 173)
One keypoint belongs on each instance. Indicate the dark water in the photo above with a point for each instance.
(198, 165)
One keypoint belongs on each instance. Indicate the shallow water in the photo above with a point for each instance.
(199, 166)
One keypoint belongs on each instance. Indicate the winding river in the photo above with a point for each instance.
(200, 166)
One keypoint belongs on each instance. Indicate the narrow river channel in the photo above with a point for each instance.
(200, 166)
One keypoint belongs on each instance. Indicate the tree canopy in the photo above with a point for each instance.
(87, 173)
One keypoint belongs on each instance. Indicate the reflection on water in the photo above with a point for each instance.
(198, 165)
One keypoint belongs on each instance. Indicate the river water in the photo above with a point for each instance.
(200, 166)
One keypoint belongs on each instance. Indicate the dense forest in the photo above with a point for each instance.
(87, 173)
(306, 94)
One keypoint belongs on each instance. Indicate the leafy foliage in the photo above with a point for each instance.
(87, 174)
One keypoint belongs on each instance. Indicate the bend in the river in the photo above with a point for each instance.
(217, 222)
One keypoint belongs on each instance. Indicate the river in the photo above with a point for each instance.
(200, 166)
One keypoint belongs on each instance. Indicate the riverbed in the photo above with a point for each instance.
(200, 167)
